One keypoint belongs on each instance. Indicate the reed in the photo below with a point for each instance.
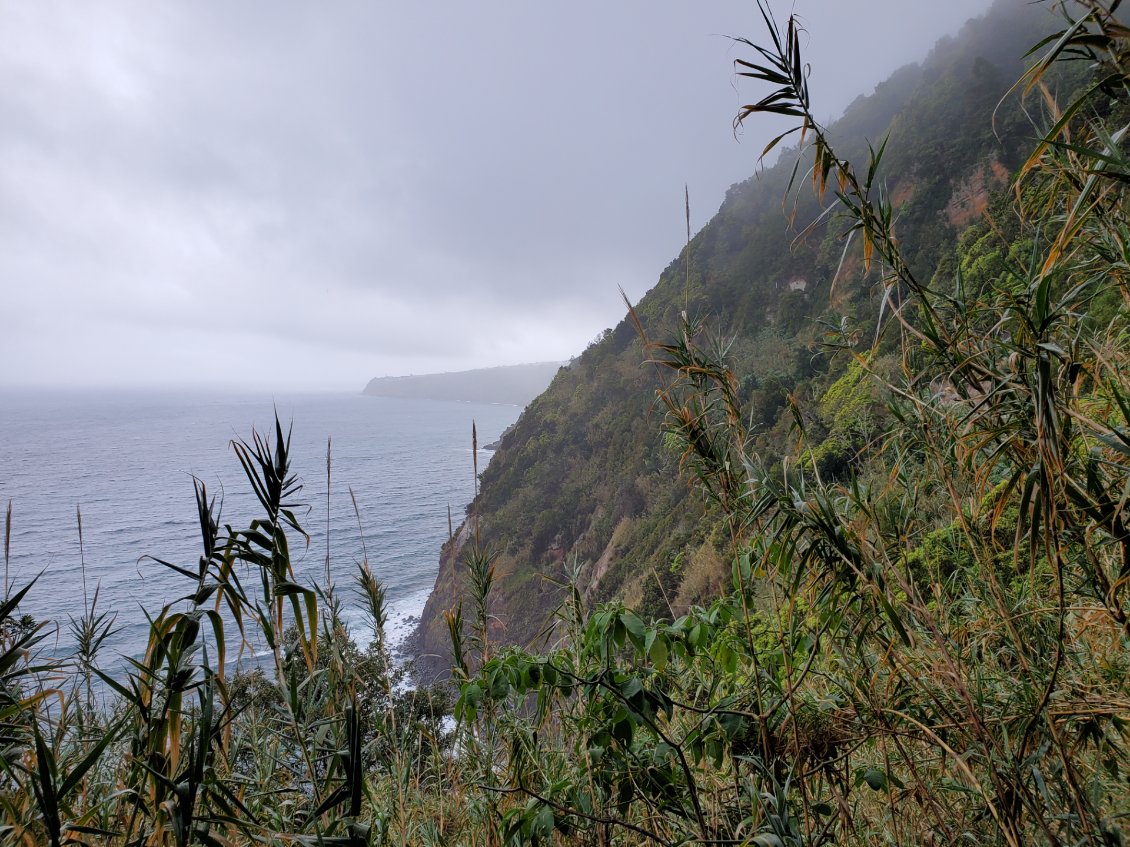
(927, 645)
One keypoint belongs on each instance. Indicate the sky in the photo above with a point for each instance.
(280, 195)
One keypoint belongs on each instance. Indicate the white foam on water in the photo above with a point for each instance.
(128, 460)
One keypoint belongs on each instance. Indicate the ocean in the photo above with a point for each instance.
(127, 459)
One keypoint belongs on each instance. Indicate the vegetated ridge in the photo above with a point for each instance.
(917, 491)
(585, 479)
(513, 385)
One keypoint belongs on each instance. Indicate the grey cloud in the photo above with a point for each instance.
(374, 188)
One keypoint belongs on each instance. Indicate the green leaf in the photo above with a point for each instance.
(93, 755)
(543, 821)
(875, 778)
(635, 628)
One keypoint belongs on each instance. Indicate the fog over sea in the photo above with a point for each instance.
(127, 459)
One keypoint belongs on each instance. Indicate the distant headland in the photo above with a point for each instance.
(514, 385)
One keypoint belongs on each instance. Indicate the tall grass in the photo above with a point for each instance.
(328, 747)
(930, 647)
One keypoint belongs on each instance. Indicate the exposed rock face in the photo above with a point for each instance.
(433, 661)
(971, 196)
(584, 483)
(494, 445)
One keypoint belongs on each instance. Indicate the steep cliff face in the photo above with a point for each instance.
(584, 482)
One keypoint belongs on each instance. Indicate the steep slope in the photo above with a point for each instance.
(584, 478)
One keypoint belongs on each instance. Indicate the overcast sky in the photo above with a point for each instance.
(307, 195)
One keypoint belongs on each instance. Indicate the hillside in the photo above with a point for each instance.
(905, 507)
(585, 479)
(512, 385)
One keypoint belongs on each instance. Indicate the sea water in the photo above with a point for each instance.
(127, 460)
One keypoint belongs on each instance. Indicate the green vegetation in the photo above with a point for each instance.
(183, 752)
(914, 533)
(584, 473)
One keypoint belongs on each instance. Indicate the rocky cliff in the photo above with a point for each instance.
(585, 485)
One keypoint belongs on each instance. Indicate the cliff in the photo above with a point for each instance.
(585, 483)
